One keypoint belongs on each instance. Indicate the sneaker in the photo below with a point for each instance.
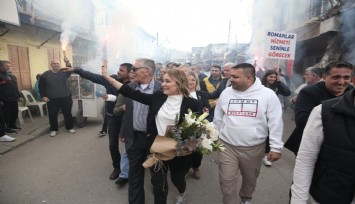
(197, 173)
(247, 201)
(53, 133)
(102, 133)
(181, 198)
(72, 131)
(266, 161)
(16, 128)
(10, 131)
(121, 181)
(114, 175)
(6, 138)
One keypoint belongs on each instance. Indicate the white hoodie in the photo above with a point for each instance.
(246, 118)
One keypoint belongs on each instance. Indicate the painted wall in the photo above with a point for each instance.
(38, 56)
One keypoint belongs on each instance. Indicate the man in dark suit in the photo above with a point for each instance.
(134, 128)
(336, 80)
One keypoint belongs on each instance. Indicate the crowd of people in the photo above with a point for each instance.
(244, 104)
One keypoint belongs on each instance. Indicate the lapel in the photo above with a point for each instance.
(183, 110)
(199, 95)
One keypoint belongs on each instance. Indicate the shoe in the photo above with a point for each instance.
(247, 201)
(266, 162)
(114, 175)
(121, 181)
(6, 138)
(102, 133)
(16, 128)
(10, 131)
(181, 198)
(72, 131)
(53, 133)
(197, 173)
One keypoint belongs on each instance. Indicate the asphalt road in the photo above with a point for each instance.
(74, 168)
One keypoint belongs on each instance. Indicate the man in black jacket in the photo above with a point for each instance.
(325, 166)
(8, 91)
(10, 104)
(114, 122)
(336, 80)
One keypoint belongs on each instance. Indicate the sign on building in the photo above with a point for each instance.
(280, 45)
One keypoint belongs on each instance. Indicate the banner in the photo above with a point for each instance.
(280, 45)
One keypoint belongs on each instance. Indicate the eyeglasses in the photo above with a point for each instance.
(136, 68)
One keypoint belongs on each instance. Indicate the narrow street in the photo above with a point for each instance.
(75, 169)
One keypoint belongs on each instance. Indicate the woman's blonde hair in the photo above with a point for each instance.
(194, 74)
(181, 80)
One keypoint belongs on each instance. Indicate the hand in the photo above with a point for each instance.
(105, 96)
(293, 99)
(45, 99)
(273, 156)
(67, 69)
(104, 69)
(205, 110)
(122, 139)
(122, 108)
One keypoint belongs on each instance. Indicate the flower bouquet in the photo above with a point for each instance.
(193, 134)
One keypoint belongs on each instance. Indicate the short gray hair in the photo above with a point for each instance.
(228, 64)
(147, 63)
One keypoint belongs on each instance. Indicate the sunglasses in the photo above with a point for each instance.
(136, 68)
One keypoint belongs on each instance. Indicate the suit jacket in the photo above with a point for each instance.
(126, 130)
(155, 101)
(202, 97)
(308, 98)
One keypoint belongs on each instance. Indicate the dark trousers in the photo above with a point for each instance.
(105, 124)
(137, 154)
(179, 167)
(10, 111)
(2, 122)
(65, 104)
(196, 160)
(114, 125)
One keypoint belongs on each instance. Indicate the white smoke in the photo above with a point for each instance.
(275, 15)
(348, 30)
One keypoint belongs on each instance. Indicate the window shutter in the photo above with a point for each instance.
(25, 71)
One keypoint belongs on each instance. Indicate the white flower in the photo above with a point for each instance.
(189, 118)
(206, 144)
(214, 135)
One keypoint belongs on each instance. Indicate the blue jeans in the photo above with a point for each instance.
(124, 164)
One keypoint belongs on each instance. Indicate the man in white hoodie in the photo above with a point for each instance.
(246, 113)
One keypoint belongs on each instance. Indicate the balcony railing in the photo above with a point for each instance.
(325, 9)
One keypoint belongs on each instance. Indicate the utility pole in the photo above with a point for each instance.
(229, 31)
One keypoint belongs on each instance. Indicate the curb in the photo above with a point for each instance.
(35, 134)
